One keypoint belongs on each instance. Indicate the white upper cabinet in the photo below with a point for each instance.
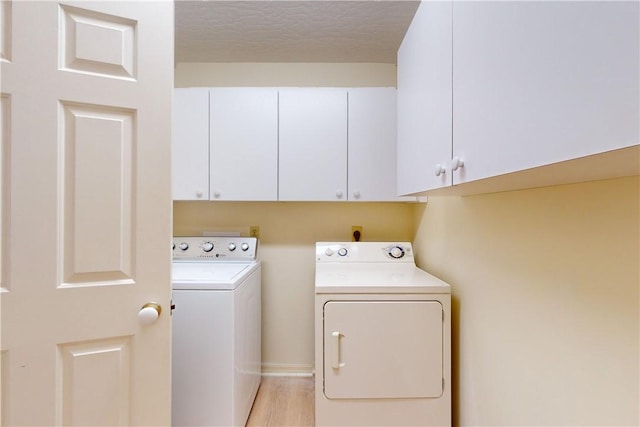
(291, 144)
(536, 83)
(313, 144)
(487, 89)
(244, 144)
(190, 144)
(372, 145)
(424, 100)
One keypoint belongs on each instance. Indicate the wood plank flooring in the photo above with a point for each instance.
(282, 402)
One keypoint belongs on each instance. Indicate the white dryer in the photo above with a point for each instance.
(382, 338)
(216, 357)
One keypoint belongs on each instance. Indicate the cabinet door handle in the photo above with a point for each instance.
(335, 354)
(456, 163)
(440, 170)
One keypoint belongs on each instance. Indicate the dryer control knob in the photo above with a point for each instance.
(342, 251)
(232, 247)
(328, 252)
(244, 247)
(396, 252)
(184, 246)
(207, 246)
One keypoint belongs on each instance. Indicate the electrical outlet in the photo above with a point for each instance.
(254, 231)
(355, 228)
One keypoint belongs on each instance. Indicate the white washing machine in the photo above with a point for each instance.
(216, 357)
(382, 338)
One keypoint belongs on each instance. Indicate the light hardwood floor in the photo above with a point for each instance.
(283, 401)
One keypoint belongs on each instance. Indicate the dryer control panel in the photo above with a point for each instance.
(211, 248)
(378, 252)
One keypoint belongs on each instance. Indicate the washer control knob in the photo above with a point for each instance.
(232, 247)
(207, 246)
(328, 252)
(184, 246)
(396, 252)
(342, 251)
(244, 247)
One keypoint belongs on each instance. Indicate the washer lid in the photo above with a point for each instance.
(376, 278)
(209, 275)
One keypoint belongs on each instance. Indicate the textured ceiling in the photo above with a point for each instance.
(291, 31)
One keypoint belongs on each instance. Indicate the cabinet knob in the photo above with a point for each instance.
(199, 194)
(356, 194)
(457, 163)
(440, 170)
(216, 194)
(339, 194)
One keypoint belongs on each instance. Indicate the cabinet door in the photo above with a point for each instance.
(313, 144)
(372, 145)
(244, 143)
(190, 144)
(383, 349)
(537, 83)
(424, 100)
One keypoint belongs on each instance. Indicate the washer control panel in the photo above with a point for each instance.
(364, 252)
(212, 248)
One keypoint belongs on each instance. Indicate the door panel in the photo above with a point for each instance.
(372, 144)
(88, 96)
(383, 349)
(5, 176)
(313, 144)
(244, 144)
(98, 145)
(424, 99)
(5, 30)
(537, 83)
(93, 42)
(109, 386)
(191, 143)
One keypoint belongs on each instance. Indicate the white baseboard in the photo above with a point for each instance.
(281, 370)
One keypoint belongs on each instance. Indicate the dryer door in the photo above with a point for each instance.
(383, 349)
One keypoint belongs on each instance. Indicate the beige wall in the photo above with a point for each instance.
(545, 289)
(545, 281)
(278, 74)
(288, 232)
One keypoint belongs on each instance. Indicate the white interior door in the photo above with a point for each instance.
(86, 212)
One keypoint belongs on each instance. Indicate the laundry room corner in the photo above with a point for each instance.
(288, 233)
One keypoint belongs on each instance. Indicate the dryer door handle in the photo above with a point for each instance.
(335, 354)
